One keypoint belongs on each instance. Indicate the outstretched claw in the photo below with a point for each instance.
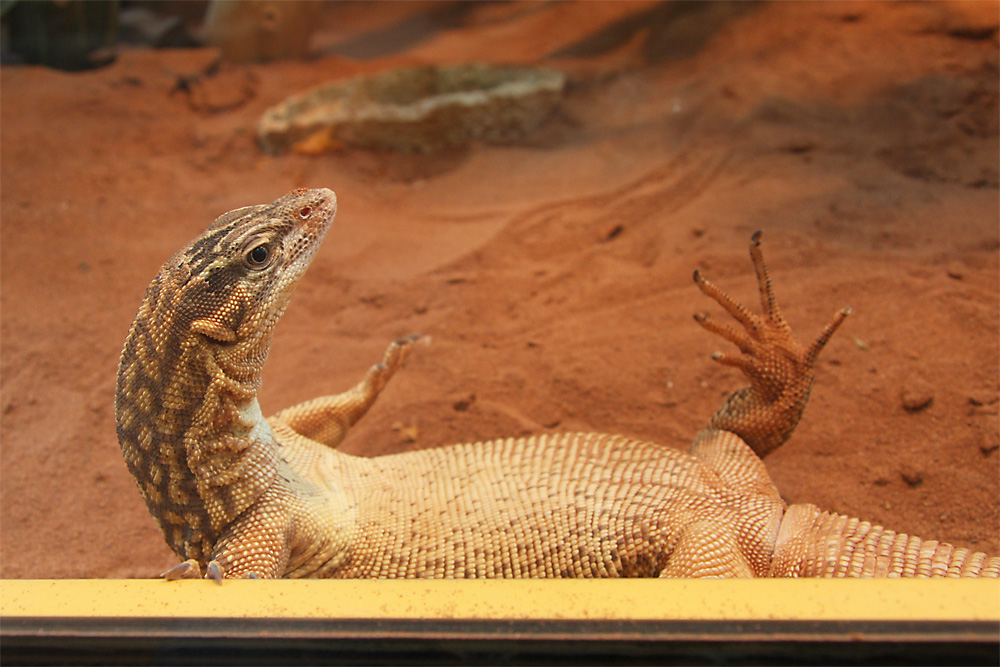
(779, 368)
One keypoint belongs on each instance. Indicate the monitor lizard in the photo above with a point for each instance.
(238, 495)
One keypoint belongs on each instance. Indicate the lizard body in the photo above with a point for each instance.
(239, 495)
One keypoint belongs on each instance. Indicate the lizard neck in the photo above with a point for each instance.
(189, 424)
(186, 401)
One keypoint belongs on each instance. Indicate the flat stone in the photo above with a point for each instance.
(417, 109)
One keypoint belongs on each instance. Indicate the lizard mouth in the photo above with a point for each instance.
(313, 212)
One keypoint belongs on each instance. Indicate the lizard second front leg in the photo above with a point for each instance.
(255, 546)
(326, 419)
(780, 369)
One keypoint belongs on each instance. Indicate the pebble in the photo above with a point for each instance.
(982, 397)
(463, 404)
(917, 397)
(914, 477)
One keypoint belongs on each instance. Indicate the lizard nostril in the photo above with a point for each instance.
(305, 212)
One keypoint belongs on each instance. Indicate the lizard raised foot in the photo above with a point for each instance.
(327, 419)
(780, 369)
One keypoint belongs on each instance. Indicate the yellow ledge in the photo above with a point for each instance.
(564, 600)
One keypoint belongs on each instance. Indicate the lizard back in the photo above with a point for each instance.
(554, 505)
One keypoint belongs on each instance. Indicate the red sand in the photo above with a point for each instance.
(554, 278)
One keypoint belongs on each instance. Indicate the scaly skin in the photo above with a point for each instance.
(236, 495)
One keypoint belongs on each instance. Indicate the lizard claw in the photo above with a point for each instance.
(824, 335)
(395, 355)
(407, 340)
(740, 339)
(743, 363)
(214, 572)
(189, 569)
(398, 351)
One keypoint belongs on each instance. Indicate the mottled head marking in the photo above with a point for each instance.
(239, 275)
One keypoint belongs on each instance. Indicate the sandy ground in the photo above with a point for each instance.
(553, 277)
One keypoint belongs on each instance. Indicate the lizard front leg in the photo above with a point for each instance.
(327, 419)
(256, 546)
(780, 369)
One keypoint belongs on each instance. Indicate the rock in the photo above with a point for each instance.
(407, 432)
(219, 87)
(918, 396)
(143, 26)
(981, 397)
(252, 31)
(417, 109)
(463, 404)
(881, 475)
(914, 477)
(955, 271)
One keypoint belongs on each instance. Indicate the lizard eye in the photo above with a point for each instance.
(305, 212)
(259, 256)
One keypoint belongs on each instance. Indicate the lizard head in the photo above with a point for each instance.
(238, 276)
